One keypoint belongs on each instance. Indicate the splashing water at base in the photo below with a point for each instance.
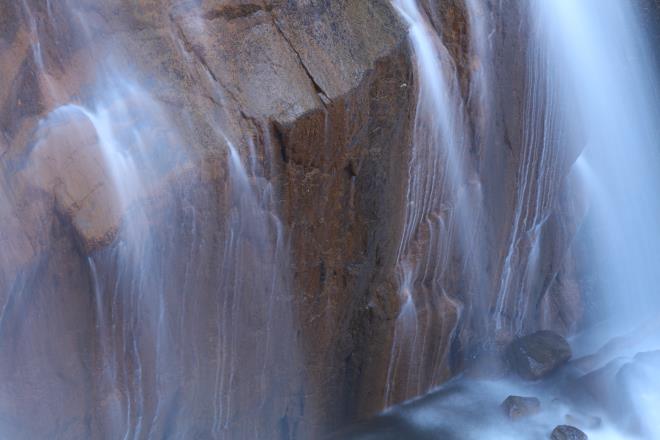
(442, 218)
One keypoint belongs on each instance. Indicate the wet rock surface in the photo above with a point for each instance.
(616, 388)
(322, 95)
(567, 432)
(516, 407)
(535, 356)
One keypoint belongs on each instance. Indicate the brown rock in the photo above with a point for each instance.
(612, 388)
(567, 432)
(537, 355)
(517, 407)
(320, 96)
(68, 163)
(309, 91)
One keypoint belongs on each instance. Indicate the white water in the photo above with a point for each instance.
(127, 280)
(257, 350)
(442, 216)
(613, 80)
(603, 66)
(186, 262)
(606, 60)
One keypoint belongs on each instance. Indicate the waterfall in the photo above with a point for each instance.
(562, 105)
(612, 77)
(544, 141)
(192, 320)
(268, 219)
(611, 74)
(588, 142)
(443, 215)
(121, 130)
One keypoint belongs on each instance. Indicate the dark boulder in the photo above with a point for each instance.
(535, 356)
(567, 432)
(516, 407)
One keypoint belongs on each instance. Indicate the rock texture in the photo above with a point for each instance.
(537, 355)
(567, 432)
(516, 407)
(266, 291)
(318, 94)
(615, 387)
(584, 421)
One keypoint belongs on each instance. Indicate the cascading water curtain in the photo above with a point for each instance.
(189, 291)
(606, 61)
(442, 221)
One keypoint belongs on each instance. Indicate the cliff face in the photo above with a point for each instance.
(268, 143)
(509, 267)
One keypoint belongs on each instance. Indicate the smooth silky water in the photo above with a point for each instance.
(220, 272)
(606, 77)
(442, 217)
(588, 56)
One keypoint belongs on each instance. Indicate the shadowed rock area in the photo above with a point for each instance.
(537, 355)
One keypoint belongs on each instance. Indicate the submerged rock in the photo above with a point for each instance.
(535, 356)
(516, 407)
(320, 93)
(567, 432)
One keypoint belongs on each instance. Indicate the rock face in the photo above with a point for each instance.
(516, 407)
(246, 269)
(537, 355)
(567, 432)
(261, 136)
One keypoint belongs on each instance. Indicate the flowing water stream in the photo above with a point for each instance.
(443, 215)
(216, 268)
(588, 60)
(193, 333)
